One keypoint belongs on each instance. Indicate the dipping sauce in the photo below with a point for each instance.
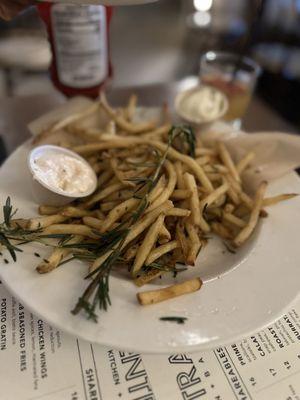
(63, 172)
(202, 104)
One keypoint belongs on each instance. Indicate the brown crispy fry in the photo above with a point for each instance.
(181, 194)
(104, 177)
(49, 210)
(103, 193)
(122, 122)
(249, 228)
(148, 277)
(164, 235)
(70, 229)
(234, 220)
(93, 222)
(244, 162)
(214, 196)
(178, 212)
(182, 240)
(227, 160)
(160, 251)
(221, 230)
(131, 252)
(195, 243)
(179, 173)
(131, 108)
(147, 244)
(169, 189)
(196, 215)
(179, 289)
(74, 212)
(57, 256)
(270, 201)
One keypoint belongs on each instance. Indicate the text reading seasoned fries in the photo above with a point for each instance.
(160, 192)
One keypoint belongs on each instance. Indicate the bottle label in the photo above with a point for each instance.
(80, 40)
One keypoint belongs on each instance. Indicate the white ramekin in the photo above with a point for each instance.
(199, 121)
(46, 194)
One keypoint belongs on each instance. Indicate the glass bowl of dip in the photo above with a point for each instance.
(59, 175)
(201, 105)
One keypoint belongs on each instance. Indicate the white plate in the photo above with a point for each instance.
(241, 293)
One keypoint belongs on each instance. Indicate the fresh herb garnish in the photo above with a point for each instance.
(6, 229)
(178, 320)
(186, 134)
(11, 248)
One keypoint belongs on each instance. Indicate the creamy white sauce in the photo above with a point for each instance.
(202, 104)
(64, 172)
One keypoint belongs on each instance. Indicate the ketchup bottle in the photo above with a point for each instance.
(79, 39)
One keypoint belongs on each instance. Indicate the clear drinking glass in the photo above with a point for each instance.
(234, 76)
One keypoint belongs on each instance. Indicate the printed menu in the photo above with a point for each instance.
(38, 361)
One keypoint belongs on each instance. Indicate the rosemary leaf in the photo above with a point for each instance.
(7, 212)
(11, 248)
(178, 320)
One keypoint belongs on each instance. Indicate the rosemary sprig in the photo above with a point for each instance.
(11, 248)
(7, 212)
(5, 229)
(186, 134)
(98, 289)
(178, 320)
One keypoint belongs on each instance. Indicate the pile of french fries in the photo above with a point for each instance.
(193, 197)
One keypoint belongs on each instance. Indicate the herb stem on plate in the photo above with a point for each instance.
(178, 320)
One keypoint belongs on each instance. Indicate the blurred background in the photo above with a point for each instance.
(163, 42)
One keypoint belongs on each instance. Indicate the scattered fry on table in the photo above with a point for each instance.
(179, 289)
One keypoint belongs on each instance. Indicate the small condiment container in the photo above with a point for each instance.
(66, 178)
(201, 105)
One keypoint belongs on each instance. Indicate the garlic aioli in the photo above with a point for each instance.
(63, 172)
(202, 104)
